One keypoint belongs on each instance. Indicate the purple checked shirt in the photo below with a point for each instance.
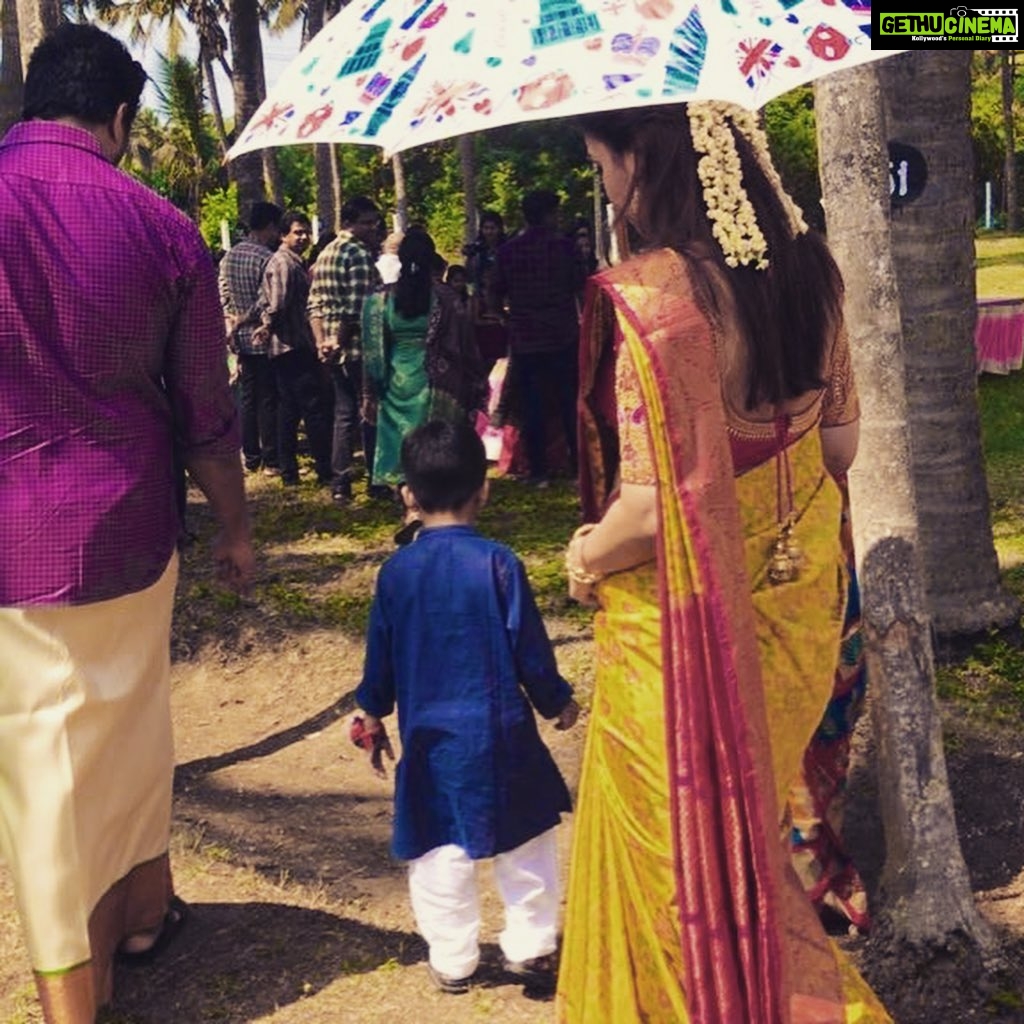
(111, 340)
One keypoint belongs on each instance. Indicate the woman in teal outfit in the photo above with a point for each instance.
(420, 361)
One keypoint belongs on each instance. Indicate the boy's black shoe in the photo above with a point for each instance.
(342, 493)
(450, 986)
(538, 974)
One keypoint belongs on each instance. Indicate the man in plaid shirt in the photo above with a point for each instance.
(343, 276)
(241, 272)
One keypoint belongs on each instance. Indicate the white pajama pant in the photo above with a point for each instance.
(446, 903)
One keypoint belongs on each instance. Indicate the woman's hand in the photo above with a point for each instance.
(582, 584)
(584, 593)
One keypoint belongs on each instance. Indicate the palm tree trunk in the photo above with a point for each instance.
(11, 81)
(927, 913)
(336, 184)
(247, 83)
(401, 195)
(929, 108)
(36, 19)
(1010, 157)
(326, 187)
(326, 196)
(467, 163)
(214, 98)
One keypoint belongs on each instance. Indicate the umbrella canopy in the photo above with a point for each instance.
(400, 73)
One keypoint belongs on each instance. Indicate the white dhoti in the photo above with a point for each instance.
(86, 771)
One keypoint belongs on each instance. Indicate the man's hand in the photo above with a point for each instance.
(367, 731)
(567, 716)
(235, 563)
(329, 352)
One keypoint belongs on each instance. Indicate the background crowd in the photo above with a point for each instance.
(366, 335)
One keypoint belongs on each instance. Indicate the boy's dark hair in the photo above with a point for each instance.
(263, 214)
(538, 205)
(355, 207)
(81, 71)
(290, 217)
(444, 464)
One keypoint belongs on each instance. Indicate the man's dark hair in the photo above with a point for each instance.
(263, 214)
(82, 72)
(290, 217)
(538, 205)
(444, 464)
(355, 207)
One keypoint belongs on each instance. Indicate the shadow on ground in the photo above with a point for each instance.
(235, 962)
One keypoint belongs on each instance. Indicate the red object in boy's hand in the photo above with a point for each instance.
(373, 739)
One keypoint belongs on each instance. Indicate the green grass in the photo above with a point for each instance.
(318, 562)
(988, 685)
(1000, 262)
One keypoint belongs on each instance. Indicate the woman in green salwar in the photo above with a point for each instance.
(419, 359)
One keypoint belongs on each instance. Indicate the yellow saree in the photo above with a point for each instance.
(681, 903)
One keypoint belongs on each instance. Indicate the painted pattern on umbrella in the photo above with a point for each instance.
(399, 73)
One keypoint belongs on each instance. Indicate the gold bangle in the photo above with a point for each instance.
(575, 569)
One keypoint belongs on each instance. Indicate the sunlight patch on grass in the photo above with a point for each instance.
(1000, 260)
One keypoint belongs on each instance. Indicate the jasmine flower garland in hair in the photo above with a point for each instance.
(733, 221)
(748, 124)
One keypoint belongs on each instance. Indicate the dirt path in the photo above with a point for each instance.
(281, 832)
(281, 848)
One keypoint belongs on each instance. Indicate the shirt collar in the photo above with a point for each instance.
(53, 133)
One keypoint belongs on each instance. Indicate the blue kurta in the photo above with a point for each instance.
(455, 639)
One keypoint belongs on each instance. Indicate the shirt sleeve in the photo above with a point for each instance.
(636, 464)
(840, 404)
(273, 291)
(360, 276)
(223, 288)
(195, 369)
(376, 693)
(534, 657)
(321, 303)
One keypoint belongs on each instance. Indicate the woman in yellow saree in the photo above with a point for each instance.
(715, 402)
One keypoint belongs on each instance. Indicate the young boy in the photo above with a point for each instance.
(454, 640)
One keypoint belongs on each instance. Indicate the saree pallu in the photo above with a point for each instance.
(681, 903)
(86, 770)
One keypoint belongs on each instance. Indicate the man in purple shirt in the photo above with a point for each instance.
(536, 276)
(111, 358)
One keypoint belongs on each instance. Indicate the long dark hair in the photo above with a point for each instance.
(415, 281)
(788, 313)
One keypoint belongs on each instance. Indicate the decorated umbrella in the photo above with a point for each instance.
(400, 73)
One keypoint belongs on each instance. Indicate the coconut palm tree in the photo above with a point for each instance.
(933, 249)
(248, 83)
(11, 80)
(186, 157)
(467, 167)
(328, 181)
(927, 918)
(143, 17)
(23, 24)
